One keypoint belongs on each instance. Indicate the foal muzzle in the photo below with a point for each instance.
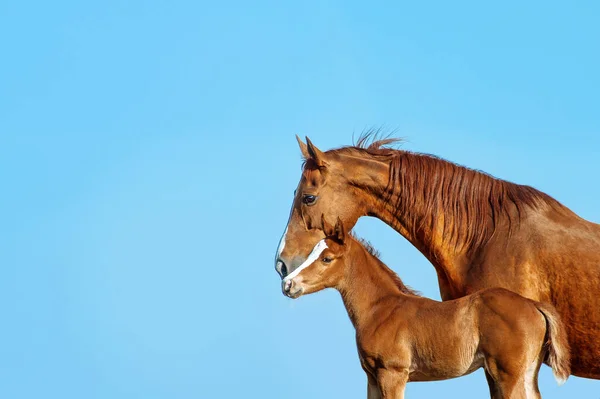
(291, 289)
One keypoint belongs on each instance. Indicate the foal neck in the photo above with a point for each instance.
(367, 280)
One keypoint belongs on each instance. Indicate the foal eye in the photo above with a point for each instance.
(326, 259)
(309, 199)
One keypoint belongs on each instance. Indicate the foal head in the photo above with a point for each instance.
(324, 267)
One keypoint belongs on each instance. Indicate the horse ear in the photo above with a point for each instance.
(315, 154)
(327, 228)
(339, 231)
(303, 148)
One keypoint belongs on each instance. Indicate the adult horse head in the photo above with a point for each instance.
(477, 231)
(323, 191)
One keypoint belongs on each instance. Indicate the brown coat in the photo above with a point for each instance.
(403, 337)
(477, 231)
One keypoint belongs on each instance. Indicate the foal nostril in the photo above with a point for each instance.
(287, 286)
(281, 268)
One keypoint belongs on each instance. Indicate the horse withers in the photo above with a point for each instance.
(404, 337)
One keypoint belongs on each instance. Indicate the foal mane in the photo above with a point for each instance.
(375, 253)
(472, 202)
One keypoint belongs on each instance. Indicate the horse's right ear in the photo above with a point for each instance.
(303, 148)
(338, 231)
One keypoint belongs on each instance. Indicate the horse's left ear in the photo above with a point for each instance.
(315, 154)
(338, 230)
(327, 228)
(303, 148)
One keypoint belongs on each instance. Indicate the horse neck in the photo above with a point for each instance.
(366, 281)
(388, 203)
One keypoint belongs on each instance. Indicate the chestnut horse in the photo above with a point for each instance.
(477, 231)
(403, 337)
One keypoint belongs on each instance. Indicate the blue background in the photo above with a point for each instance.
(148, 161)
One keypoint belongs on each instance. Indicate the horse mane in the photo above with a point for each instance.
(473, 202)
(375, 253)
(376, 139)
(368, 246)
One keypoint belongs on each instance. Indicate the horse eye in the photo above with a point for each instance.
(327, 259)
(309, 199)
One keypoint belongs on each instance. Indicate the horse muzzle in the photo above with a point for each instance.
(291, 288)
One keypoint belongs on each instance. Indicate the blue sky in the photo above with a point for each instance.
(148, 161)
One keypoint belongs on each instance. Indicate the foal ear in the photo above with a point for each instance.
(315, 154)
(338, 231)
(327, 228)
(303, 148)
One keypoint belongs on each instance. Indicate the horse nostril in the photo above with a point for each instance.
(281, 268)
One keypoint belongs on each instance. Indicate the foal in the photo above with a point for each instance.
(403, 337)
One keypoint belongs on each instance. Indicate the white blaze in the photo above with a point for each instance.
(282, 240)
(314, 255)
(281, 244)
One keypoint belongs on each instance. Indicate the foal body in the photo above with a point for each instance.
(403, 337)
